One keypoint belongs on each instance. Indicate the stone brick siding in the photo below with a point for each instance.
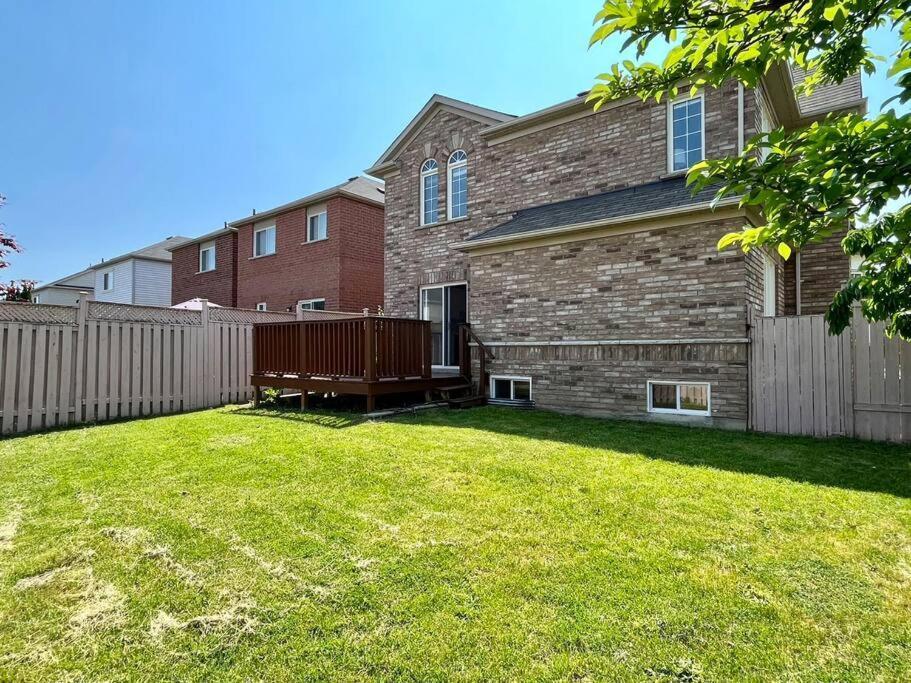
(824, 268)
(219, 286)
(616, 148)
(612, 379)
(316, 270)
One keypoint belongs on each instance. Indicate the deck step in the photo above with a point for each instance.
(454, 387)
(467, 402)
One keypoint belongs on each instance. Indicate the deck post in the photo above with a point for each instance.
(427, 360)
(371, 402)
(464, 353)
(305, 400)
(257, 391)
(369, 350)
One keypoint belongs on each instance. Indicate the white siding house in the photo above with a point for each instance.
(67, 291)
(141, 277)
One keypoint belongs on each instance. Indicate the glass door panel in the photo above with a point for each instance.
(432, 310)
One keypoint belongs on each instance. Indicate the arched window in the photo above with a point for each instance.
(458, 184)
(430, 200)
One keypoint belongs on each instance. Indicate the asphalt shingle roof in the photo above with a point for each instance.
(631, 201)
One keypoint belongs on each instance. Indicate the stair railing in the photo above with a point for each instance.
(466, 336)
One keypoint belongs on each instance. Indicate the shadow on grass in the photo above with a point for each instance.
(841, 463)
(318, 418)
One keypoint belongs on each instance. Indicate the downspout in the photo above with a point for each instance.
(740, 141)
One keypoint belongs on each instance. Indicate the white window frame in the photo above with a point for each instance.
(204, 247)
(265, 228)
(36, 298)
(261, 306)
(107, 281)
(443, 286)
(452, 166)
(679, 411)
(512, 387)
(670, 129)
(769, 286)
(424, 174)
(307, 304)
(310, 217)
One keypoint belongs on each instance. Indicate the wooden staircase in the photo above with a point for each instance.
(463, 393)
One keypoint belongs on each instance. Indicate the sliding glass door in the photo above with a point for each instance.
(446, 307)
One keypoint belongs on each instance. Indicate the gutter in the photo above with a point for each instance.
(469, 245)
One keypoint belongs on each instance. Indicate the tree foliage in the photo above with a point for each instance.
(809, 183)
(20, 290)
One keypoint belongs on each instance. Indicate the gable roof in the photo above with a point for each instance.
(435, 103)
(366, 189)
(631, 203)
(828, 97)
(86, 276)
(160, 251)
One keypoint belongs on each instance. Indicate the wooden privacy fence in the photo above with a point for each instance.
(61, 365)
(804, 381)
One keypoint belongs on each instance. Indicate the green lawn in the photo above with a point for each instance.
(482, 544)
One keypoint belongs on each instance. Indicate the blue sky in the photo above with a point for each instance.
(124, 123)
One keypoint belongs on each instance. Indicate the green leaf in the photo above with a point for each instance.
(784, 251)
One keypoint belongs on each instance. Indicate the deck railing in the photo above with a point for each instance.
(369, 348)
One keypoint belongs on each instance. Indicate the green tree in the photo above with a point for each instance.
(813, 181)
(16, 290)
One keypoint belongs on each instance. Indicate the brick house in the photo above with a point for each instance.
(568, 240)
(323, 251)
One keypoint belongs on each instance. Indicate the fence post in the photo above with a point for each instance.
(82, 315)
(370, 349)
(298, 312)
(205, 361)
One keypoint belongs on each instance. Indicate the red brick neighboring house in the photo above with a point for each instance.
(325, 250)
(206, 268)
(322, 251)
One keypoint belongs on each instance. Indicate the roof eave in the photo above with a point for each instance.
(202, 238)
(471, 245)
(300, 203)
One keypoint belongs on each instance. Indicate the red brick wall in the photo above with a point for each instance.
(346, 269)
(218, 286)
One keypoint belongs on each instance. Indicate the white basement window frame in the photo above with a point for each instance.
(264, 241)
(685, 131)
(107, 281)
(497, 382)
(207, 257)
(679, 398)
(312, 304)
(261, 306)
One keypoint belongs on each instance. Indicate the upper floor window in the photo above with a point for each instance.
(458, 184)
(686, 133)
(107, 281)
(430, 184)
(206, 257)
(318, 227)
(264, 241)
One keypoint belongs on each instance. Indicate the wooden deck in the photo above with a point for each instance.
(369, 356)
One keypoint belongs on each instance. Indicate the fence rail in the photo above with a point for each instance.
(805, 381)
(366, 348)
(61, 365)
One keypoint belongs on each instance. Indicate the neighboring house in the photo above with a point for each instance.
(324, 251)
(141, 277)
(67, 291)
(206, 268)
(569, 241)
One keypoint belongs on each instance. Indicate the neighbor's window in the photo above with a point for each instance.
(261, 306)
(313, 305)
(206, 257)
(36, 299)
(685, 133)
(769, 292)
(458, 184)
(430, 186)
(683, 398)
(318, 228)
(510, 388)
(107, 281)
(264, 241)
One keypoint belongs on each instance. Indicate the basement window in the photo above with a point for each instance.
(261, 306)
(312, 304)
(512, 389)
(680, 398)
